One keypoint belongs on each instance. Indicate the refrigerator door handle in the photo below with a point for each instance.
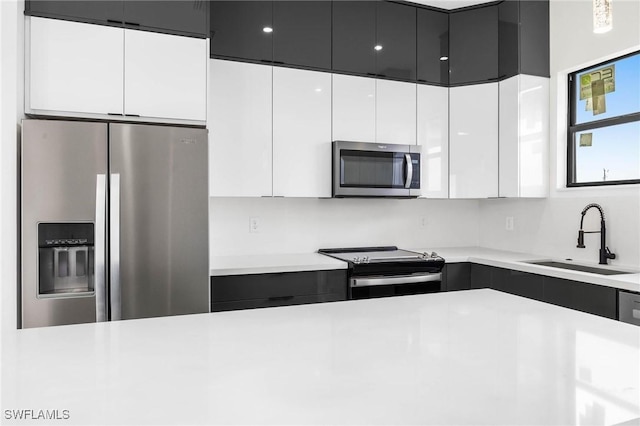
(114, 231)
(100, 247)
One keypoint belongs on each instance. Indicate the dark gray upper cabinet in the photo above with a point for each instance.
(96, 12)
(524, 38)
(509, 33)
(188, 17)
(354, 37)
(396, 35)
(302, 33)
(534, 38)
(237, 30)
(473, 45)
(432, 45)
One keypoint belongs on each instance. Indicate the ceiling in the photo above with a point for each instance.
(450, 4)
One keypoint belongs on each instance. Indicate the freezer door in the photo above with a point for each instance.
(63, 167)
(159, 221)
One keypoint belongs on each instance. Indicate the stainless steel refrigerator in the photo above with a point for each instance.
(114, 222)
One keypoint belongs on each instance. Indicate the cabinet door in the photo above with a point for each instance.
(165, 76)
(395, 112)
(534, 37)
(396, 35)
(473, 39)
(590, 298)
(509, 38)
(509, 137)
(456, 276)
(302, 33)
(354, 36)
(473, 141)
(89, 11)
(237, 29)
(433, 137)
(74, 67)
(518, 283)
(354, 108)
(524, 136)
(239, 123)
(432, 46)
(181, 17)
(301, 133)
(480, 276)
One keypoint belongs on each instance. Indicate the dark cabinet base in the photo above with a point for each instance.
(277, 289)
(584, 297)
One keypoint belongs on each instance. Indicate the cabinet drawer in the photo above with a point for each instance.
(260, 287)
(275, 301)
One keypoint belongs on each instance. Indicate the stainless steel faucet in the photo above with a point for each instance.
(605, 253)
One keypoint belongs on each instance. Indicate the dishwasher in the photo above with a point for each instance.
(629, 307)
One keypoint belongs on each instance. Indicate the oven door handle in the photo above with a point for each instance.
(409, 168)
(402, 279)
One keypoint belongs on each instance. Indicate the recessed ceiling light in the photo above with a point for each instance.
(444, 58)
(377, 47)
(267, 29)
(318, 89)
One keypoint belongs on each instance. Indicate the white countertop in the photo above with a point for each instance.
(514, 260)
(263, 264)
(260, 264)
(470, 357)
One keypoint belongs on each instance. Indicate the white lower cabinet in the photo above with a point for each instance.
(240, 126)
(524, 136)
(301, 133)
(354, 108)
(395, 112)
(433, 137)
(82, 70)
(165, 76)
(473, 141)
(73, 68)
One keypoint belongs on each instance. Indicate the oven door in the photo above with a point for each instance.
(396, 285)
(375, 170)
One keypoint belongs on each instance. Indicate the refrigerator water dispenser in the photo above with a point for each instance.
(65, 259)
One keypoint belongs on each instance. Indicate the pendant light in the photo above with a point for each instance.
(602, 16)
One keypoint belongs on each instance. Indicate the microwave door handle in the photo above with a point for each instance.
(409, 169)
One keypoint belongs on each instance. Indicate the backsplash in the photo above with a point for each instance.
(303, 225)
(549, 227)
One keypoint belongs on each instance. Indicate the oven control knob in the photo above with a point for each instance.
(434, 254)
(356, 259)
(365, 259)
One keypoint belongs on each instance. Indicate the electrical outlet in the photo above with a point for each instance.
(254, 225)
(508, 225)
(423, 222)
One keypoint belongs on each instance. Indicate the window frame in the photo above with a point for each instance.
(572, 128)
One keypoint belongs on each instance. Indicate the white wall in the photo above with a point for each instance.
(303, 225)
(550, 226)
(11, 106)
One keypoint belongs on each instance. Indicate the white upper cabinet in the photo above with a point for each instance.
(93, 71)
(395, 112)
(433, 137)
(73, 68)
(354, 108)
(473, 136)
(165, 76)
(301, 133)
(239, 123)
(524, 136)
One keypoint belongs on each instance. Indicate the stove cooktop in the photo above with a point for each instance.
(358, 257)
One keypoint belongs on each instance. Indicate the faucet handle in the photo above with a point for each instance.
(608, 253)
(580, 239)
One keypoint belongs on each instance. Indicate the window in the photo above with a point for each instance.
(603, 145)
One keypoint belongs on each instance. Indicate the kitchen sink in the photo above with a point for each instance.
(576, 267)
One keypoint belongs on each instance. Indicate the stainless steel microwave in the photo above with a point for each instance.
(363, 169)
